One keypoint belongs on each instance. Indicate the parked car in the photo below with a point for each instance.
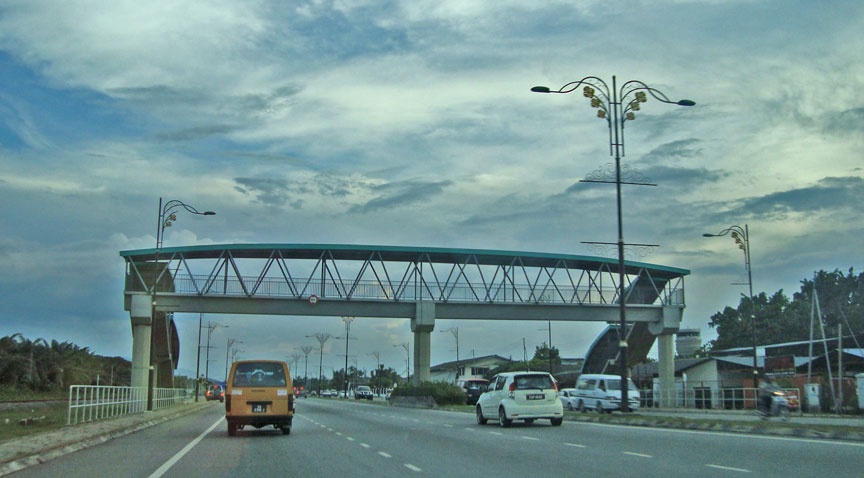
(602, 393)
(523, 396)
(259, 394)
(568, 398)
(215, 392)
(362, 391)
(473, 388)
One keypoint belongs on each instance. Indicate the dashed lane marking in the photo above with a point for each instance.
(412, 467)
(364, 445)
(385, 455)
(531, 438)
(729, 468)
(641, 455)
(574, 444)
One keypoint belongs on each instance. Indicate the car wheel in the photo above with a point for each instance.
(581, 406)
(232, 429)
(599, 408)
(481, 420)
(286, 430)
(502, 418)
(556, 422)
(570, 406)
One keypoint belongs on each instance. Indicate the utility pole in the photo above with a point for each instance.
(347, 320)
(840, 367)
(321, 337)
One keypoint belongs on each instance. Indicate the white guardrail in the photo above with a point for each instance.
(90, 402)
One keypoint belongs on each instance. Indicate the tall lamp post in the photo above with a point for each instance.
(742, 239)
(617, 106)
(407, 348)
(227, 351)
(321, 338)
(306, 349)
(455, 332)
(198, 356)
(211, 326)
(347, 320)
(165, 218)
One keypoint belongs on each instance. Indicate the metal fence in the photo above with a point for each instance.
(707, 398)
(88, 402)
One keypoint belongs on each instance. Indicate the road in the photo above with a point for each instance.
(345, 439)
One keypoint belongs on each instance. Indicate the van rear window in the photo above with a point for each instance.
(259, 374)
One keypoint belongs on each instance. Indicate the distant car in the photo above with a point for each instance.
(602, 393)
(215, 392)
(363, 391)
(523, 396)
(569, 399)
(473, 388)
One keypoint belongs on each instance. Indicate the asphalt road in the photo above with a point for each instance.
(345, 439)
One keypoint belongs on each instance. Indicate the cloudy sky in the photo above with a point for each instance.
(411, 123)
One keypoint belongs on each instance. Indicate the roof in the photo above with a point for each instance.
(681, 365)
(404, 254)
(452, 364)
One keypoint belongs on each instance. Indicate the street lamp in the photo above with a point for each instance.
(227, 351)
(165, 219)
(306, 349)
(321, 338)
(455, 332)
(407, 348)
(617, 106)
(210, 328)
(742, 238)
(347, 320)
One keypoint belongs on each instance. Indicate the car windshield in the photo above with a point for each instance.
(535, 381)
(475, 383)
(259, 374)
(616, 385)
(363, 388)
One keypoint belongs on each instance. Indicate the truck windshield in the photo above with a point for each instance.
(259, 374)
(616, 385)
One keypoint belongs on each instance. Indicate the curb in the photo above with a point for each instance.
(65, 448)
(732, 428)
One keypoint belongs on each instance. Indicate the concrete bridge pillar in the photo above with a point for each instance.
(665, 329)
(140, 312)
(422, 324)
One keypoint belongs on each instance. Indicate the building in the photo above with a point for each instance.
(688, 342)
(475, 367)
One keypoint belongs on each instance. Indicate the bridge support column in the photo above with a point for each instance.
(664, 329)
(140, 312)
(422, 324)
(666, 368)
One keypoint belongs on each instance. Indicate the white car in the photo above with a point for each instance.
(602, 393)
(569, 399)
(523, 396)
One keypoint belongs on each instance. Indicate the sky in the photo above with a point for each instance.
(412, 123)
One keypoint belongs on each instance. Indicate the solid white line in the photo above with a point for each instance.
(573, 444)
(636, 454)
(174, 459)
(412, 467)
(385, 455)
(735, 434)
(742, 470)
(531, 438)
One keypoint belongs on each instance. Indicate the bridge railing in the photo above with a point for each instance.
(376, 290)
(90, 402)
(709, 398)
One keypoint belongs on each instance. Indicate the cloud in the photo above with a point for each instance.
(195, 133)
(847, 122)
(827, 194)
(674, 150)
(402, 193)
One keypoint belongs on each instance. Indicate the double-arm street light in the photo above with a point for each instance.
(742, 239)
(211, 326)
(407, 347)
(227, 351)
(347, 320)
(455, 332)
(617, 106)
(306, 349)
(321, 337)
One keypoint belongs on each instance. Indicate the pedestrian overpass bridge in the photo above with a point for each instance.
(417, 283)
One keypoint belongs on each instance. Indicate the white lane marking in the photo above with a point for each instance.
(174, 459)
(364, 445)
(448, 425)
(469, 429)
(385, 455)
(636, 454)
(496, 433)
(574, 444)
(741, 470)
(416, 420)
(412, 467)
(735, 434)
(531, 438)
(339, 433)
(323, 426)
(349, 438)
(329, 429)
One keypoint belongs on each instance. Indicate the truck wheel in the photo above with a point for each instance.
(232, 429)
(286, 430)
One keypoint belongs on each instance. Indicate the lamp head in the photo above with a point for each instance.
(540, 89)
(209, 213)
(708, 235)
(686, 103)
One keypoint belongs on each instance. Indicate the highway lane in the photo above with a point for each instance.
(335, 438)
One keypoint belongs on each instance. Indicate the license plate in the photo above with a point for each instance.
(535, 396)
(259, 408)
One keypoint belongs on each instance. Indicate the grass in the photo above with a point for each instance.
(8, 394)
(54, 418)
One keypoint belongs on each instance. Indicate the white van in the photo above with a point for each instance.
(602, 393)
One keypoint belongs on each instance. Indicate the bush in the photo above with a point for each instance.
(442, 393)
